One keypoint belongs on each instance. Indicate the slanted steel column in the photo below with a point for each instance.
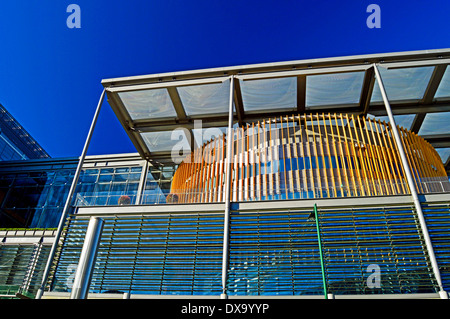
(88, 255)
(411, 185)
(226, 218)
(65, 211)
(322, 264)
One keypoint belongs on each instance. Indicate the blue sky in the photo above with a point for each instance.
(50, 74)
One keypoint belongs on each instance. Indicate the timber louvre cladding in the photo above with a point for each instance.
(310, 156)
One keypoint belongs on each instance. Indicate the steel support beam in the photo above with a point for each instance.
(433, 84)
(301, 93)
(367, 89)
(439, 140)
(417, 123)
(67, 205)
(409, 177)
(238, 102)
(226, 221)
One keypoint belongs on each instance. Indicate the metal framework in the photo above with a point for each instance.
(166, 88)
(301, 71)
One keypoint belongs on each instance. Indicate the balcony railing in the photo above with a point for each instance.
(260, 193)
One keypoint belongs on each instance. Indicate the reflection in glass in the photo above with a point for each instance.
(435, 123)
(444, 153)
(205, 99)
(166, 140)
(444, 87)
(403, 84)
(269, 94)
(334, 89)
(147, 104)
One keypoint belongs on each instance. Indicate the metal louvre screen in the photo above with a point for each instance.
(273, 253)
(375, 251)
(365, 251)
(438, 223)
(154, 254)
(21, 268)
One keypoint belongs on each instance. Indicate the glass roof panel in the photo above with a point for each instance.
(403, 84)
(269, 94)
(404, 121)
(205, 99)
(334, 89)
(166, 140)
(435, 123)
(444, 153)
(444, 87)
(148, 104)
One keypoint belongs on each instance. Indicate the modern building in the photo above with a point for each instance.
(15, 142)
(322, 178)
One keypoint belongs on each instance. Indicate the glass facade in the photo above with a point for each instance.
(35, 197)
(15, 142)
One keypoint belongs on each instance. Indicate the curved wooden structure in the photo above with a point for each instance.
(308, 156)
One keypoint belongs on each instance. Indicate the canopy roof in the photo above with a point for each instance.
(150, 107)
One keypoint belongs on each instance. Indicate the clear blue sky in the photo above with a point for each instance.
(50, 75)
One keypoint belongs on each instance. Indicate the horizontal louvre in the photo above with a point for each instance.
(356, 240)
(274, 253)
(166, 254)
(21, 268)
(438, 223)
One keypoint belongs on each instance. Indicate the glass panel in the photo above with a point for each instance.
(334, 89)
(269, 94)
(404, 121)
(166, 140)
(435, 123)
(444, 153)
(403, 84)
(148, 104)
(205, 99)
(444, 87)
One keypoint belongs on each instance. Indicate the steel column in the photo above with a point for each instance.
(88, 255)
(411, 184)
(322, 264)
(227, 185)
(69, 199)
